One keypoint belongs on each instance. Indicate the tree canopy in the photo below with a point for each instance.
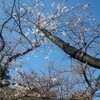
(29, 26)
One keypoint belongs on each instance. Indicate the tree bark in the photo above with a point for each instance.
(71, 50)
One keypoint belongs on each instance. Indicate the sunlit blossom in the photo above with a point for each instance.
(52, 5)
(46, 57)
(63, 33)
(16, 69)
(26, 34)
(21, 9)
(85, 7)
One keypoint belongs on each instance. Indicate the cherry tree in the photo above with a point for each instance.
(27, 25)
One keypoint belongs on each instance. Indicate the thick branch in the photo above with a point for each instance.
(85, 76)
(3, 43)
(1, 37)
(5, 67)
(72, 51)
(20, 54)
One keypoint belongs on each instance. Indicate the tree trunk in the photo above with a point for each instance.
(72, 51)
